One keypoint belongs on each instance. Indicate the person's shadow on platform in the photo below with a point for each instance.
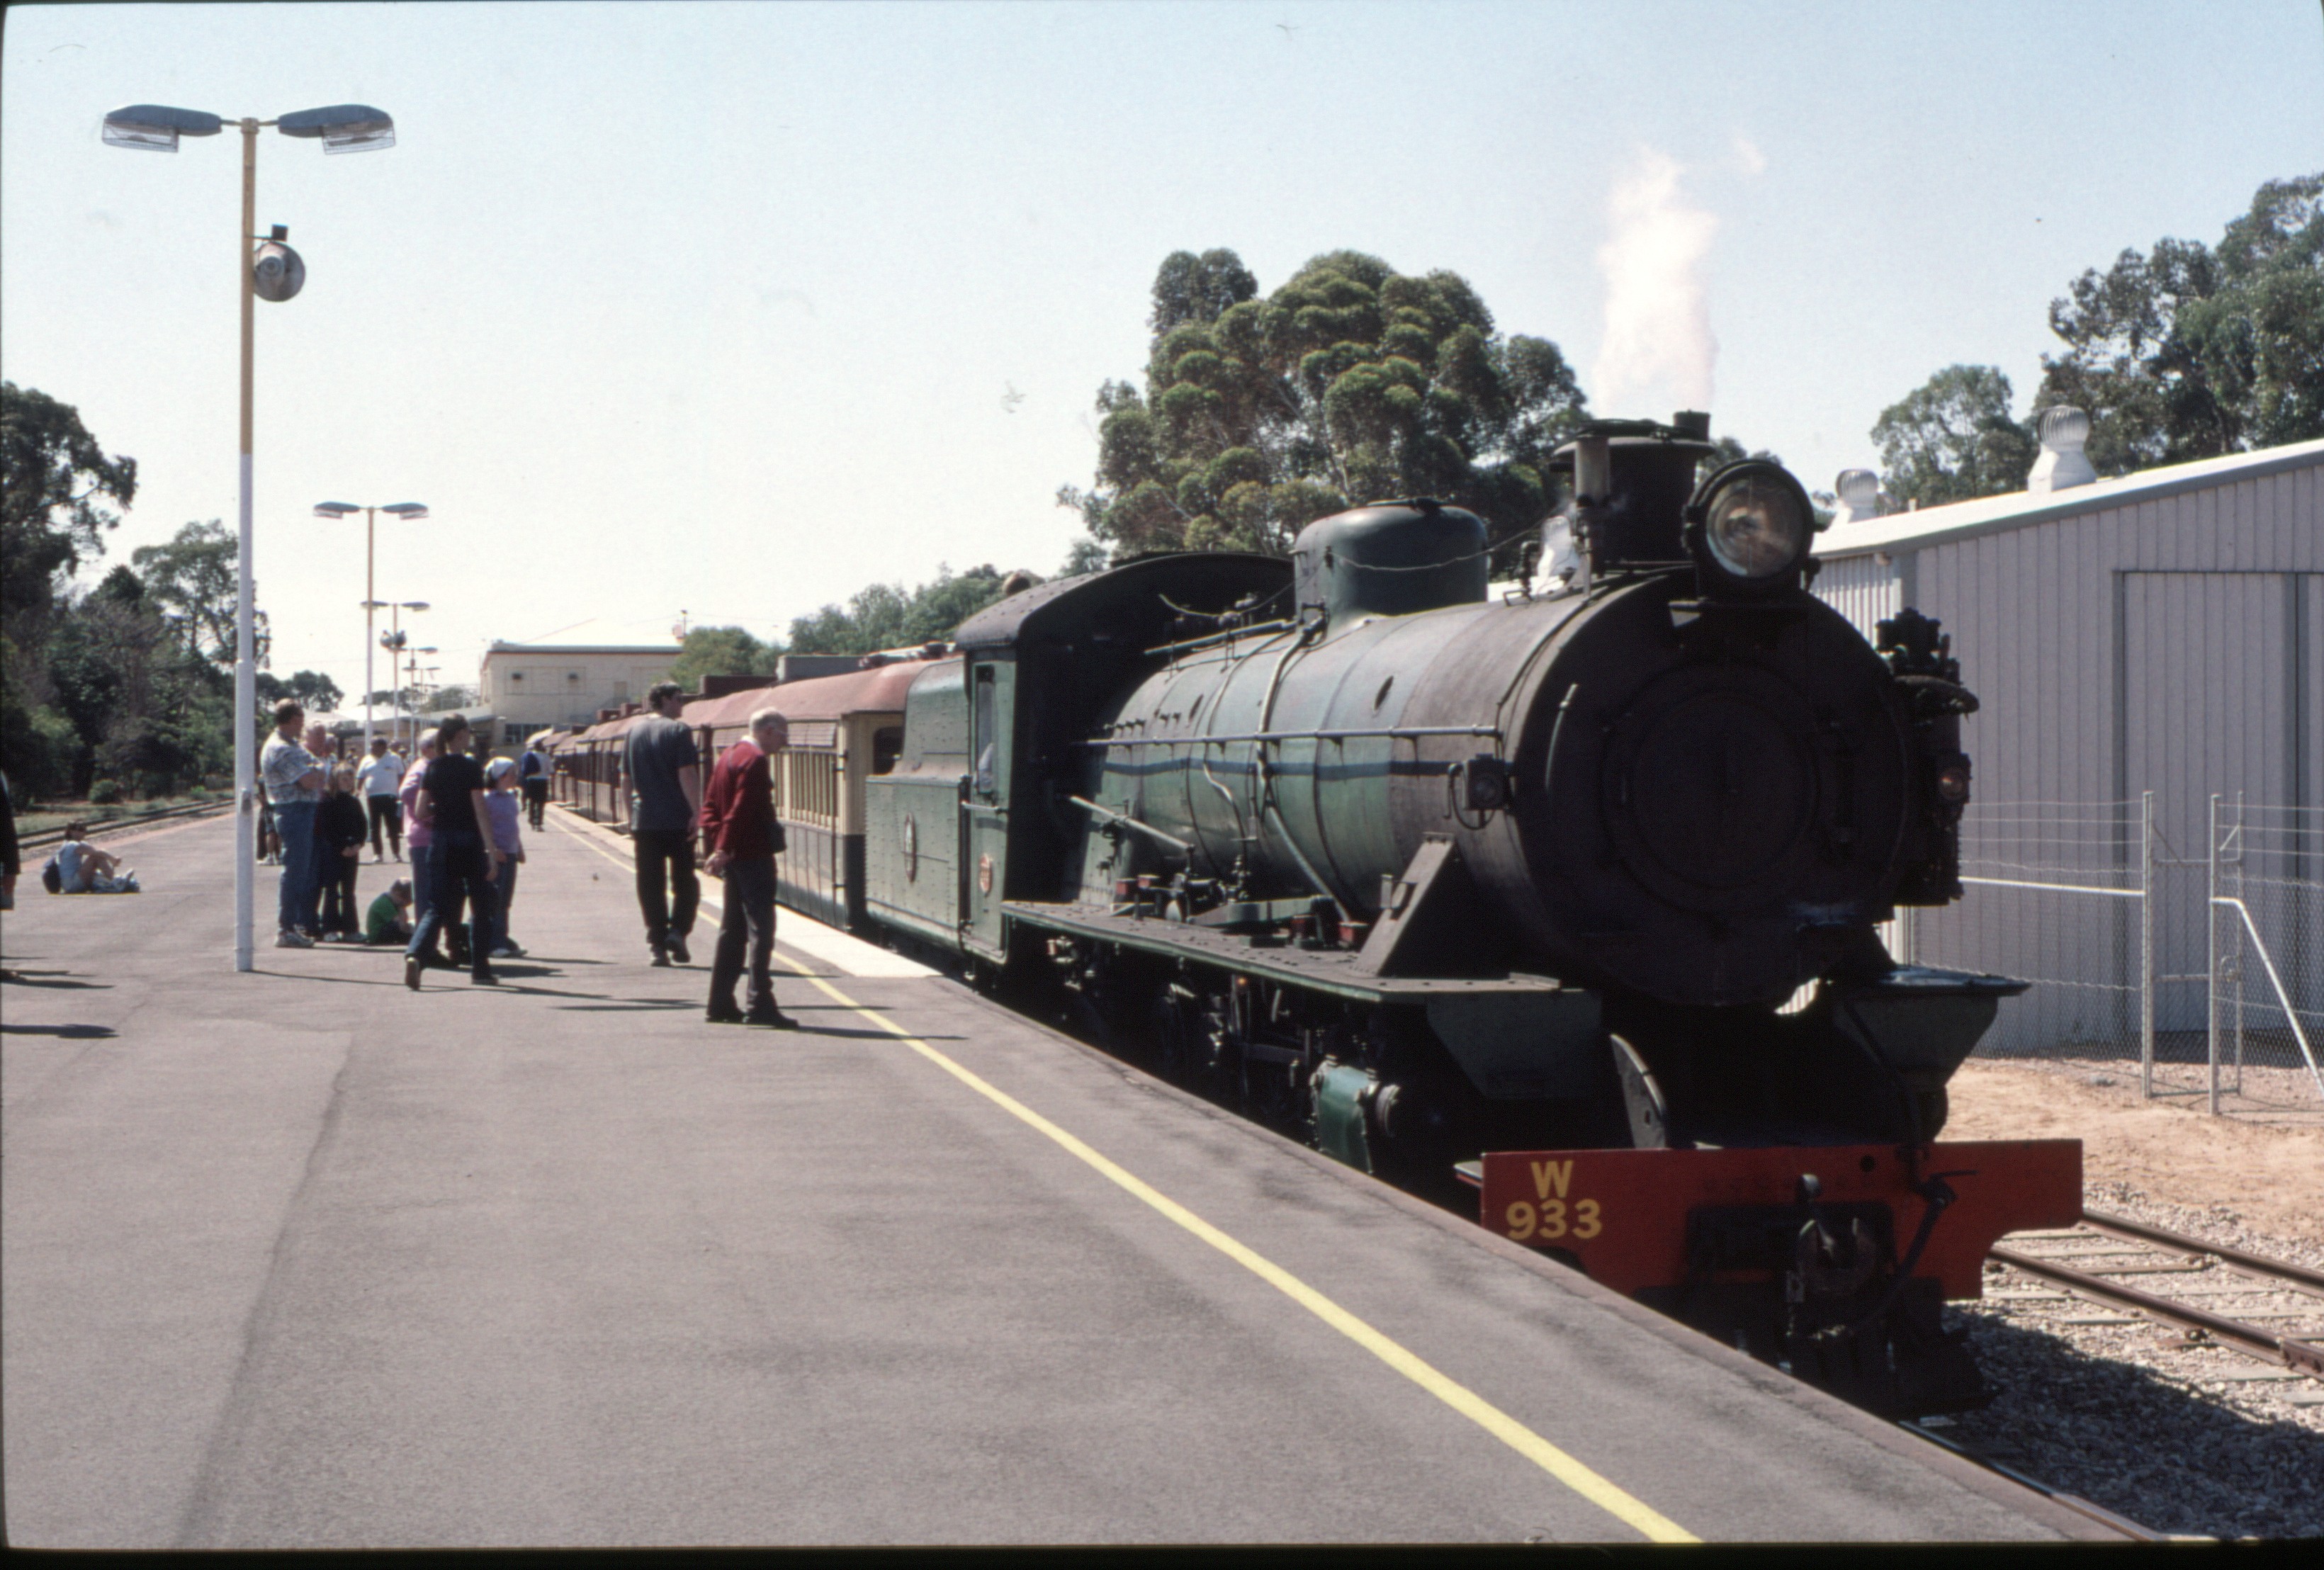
(65, 1033)
(52, 978)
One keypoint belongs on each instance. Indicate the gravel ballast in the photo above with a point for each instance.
(2132, 1416)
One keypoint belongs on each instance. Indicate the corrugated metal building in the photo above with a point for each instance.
(2162, 631)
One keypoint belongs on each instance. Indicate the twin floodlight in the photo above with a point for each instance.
(277, 271)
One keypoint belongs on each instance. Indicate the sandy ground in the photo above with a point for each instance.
(2271, 1173)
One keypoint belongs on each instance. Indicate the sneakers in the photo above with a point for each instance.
(661, 956)
(483, 978)
(678, 948)
(376, 858)
(771, 1016)
(508, 951)
(292, 937)
(411, 969)
(729, 1015)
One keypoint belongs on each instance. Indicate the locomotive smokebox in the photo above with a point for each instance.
(1390, 558)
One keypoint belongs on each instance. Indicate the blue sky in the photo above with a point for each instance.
(732, 308)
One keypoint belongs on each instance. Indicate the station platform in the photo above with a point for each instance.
(299, 1259)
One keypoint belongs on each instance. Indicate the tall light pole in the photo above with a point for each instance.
(275, 271)
(410, 512)
(393, 642)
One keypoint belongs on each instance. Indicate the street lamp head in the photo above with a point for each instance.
(156, 127)
(335, 509)
(414, 605)
(277, 271)
(343, 127)
(409, 511)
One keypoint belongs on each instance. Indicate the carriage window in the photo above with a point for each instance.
(887, 747)
(982, 737)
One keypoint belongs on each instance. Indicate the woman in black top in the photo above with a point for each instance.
(451, 802)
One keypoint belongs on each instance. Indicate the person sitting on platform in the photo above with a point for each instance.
(81, 868)
(384, 921)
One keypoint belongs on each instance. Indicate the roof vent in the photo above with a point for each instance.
(1858, 491)
(2062, 463)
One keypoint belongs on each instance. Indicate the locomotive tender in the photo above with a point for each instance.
(1571, 895)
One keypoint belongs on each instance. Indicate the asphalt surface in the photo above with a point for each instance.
(300, 1260)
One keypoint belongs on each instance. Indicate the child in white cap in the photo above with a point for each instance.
(504, 809)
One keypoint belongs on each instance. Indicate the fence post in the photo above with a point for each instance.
(2234, 863)
(2146, 946)
(2211, 948)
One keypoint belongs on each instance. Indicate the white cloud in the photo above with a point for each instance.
(1657, 336)
(1748, 156)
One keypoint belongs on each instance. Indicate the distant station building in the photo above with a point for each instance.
(526, 687)
(2159, 633)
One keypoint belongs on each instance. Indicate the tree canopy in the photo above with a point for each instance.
(722, 652)
(2186, 351)
(129, 680)
(1953, 438)
(892, 616)
(1351, 383)
(54, 480)
(316, 692)
(2190, 351)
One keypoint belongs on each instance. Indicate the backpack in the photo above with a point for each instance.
(52, 876)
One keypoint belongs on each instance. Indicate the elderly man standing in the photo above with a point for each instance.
(294, 778)
(665, 770)
(739, 826)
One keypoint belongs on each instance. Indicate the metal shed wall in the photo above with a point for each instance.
(2172, 644)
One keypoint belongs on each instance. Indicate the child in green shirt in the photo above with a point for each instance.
(384, 921)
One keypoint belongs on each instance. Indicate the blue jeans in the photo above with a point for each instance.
(504, 893)
(295, 822)
(423, 880)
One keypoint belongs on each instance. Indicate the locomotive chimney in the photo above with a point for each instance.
(1631, 480)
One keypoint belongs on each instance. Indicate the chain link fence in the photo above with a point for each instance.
(2195, 961)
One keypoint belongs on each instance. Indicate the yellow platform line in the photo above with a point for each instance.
(1591, 1485)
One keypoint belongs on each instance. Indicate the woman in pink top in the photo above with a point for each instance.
(420, 842)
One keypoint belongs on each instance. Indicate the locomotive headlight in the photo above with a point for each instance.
(1753, 522)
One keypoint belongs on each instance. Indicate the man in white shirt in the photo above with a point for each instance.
(381, 777)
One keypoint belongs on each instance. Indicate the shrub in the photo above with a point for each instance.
(104, 793)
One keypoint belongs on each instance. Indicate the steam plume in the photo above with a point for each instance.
(1658, 323)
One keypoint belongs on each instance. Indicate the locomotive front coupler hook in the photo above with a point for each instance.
(1937, 1195)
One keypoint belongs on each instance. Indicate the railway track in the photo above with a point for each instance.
(98, 829)
(2269, 1309)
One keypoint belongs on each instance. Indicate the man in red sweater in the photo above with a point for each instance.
(740, 831)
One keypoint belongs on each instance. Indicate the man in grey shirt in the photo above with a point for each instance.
(665, 774)
(294, 778)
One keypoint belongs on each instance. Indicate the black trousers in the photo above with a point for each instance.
(666, 854)
(339, 894)
(386, 812)
(536, 799)
(747, 931)
(462, 871)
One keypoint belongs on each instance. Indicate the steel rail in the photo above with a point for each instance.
(2306, 1356)
(2139, 1231)
(39, 837)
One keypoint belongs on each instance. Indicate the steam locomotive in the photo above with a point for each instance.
(1570, 896)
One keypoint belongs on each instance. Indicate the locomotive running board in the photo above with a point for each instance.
(1333, 971)
(1624, 1216)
